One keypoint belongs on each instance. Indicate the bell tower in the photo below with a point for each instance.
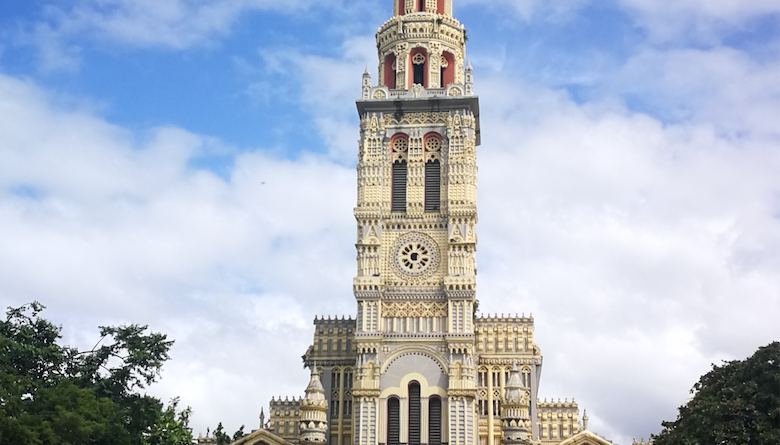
(416, 214)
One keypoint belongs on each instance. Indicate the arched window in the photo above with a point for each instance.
(393, 421)
(421, 5)
(414, 413)
(447, 69)
(419, 66)
(434, 421)
(399, 146)
(390, 71)
(432, 173)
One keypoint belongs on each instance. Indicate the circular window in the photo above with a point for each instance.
(432, 144)
(415, 255)
(400, 145)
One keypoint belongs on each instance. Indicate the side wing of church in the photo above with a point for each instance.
(415, 366)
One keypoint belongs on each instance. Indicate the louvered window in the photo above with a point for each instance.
(399, 186)
(434, 421)
(414, 413)
(432, 185)
(393, 422)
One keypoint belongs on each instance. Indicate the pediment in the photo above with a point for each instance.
(585, 438)
(261, 437)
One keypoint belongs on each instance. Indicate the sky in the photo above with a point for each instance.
(190, 165)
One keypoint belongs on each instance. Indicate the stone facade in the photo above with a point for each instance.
(417, 366)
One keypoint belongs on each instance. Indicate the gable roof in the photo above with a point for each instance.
(585, 438)
(259, 437)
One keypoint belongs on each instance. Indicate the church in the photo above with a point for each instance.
(416, 366)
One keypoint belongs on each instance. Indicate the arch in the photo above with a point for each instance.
(390, 71)
(418, 60)
(413, 350)
(447, 69)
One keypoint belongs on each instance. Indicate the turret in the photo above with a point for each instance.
(314, 410)
(422, 44)
(440, 7)
(515, 416)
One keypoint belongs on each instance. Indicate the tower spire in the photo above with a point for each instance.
(314, 409)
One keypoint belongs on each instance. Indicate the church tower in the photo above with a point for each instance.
(416, 366)
(416, 215)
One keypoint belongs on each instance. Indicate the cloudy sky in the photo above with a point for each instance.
(189, 165)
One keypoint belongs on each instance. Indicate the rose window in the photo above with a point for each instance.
(415, 257)
(433, 144)
(399, 145)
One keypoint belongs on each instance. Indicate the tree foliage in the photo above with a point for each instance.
(736, 403)
(54, 394)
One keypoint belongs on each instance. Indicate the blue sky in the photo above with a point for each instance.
(190, 165)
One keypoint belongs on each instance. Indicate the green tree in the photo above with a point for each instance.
(54, 394)
(736, 403)
(221, 436)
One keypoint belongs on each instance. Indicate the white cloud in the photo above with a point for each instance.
(721, 86)
(529, 9)
(328, 89)
(106, 230)
(175, 24)
(646, 250)
(671, 19)
(629, 241)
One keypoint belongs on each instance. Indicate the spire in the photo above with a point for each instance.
(314, 408)
(315, 391)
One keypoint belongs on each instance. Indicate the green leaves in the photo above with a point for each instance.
(736, 403)
(52, 394)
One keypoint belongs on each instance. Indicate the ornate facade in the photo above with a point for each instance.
(416, 366)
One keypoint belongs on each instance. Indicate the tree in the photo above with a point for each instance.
(221, 436)
(736, 403)
(54, 394)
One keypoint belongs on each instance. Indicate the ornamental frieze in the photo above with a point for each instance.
(414, 310)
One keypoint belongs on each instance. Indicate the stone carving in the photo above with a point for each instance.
(414, 309)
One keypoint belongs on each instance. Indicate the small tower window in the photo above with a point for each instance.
(434, 421)
(432, 185)
(418, 67)
(421, 5)
(432, 173)
(447, 70)
(390, 71)
(414, 413)
(393, 421)
(398, 199)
